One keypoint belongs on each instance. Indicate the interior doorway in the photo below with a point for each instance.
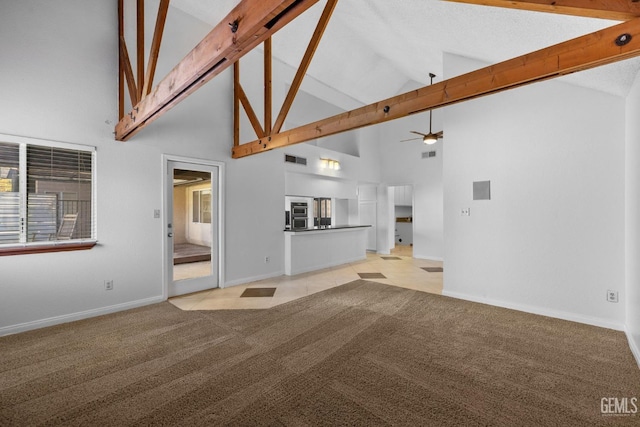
(402, 221)
(193, 218)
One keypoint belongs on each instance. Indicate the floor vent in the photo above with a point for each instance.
(428, 154)
(293, 159)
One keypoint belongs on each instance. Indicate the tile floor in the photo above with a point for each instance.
(407, 272)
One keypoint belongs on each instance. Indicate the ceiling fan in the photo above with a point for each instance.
(431, 137)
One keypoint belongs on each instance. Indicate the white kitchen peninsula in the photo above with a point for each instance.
(313, 249)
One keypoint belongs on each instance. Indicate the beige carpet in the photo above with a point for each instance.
(359, 354)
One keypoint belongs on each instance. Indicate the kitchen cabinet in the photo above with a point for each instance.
(403, 195)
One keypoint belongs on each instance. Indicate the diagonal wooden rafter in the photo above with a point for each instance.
(602, 47)
(240, 96)
(304, 64)
(125, 63)
(246, 26)
(140, 46)
(253, 118)
(618, 10)
(161, 19)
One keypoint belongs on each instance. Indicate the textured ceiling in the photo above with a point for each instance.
(374, 49)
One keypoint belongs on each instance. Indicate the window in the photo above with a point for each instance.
(202, 206)
(46, 196)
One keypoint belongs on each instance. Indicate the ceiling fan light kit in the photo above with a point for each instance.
(430, 139)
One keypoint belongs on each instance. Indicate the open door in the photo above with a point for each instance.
(192, 227)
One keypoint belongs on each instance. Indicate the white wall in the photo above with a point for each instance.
(60, 82)
(551, 239)
(632, 219)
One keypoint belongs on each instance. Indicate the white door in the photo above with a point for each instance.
(192, 227)
(368, 217)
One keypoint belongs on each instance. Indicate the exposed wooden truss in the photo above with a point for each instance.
(240, 97)
(254, 21)
(619, 10)
(139, 85)
(247, 25)
(592, 50)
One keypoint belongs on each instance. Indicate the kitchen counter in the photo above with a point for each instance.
(316, 248)
(329, 228)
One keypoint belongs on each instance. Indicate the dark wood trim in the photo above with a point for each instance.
(253, 22)
(617, 10)
(582, 53)
(304, 64)
(41, 249)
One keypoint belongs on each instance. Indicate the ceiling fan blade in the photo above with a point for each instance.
(418, 133)
(439, 134)
(412, 139)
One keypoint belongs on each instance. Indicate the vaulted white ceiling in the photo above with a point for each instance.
(374, 49)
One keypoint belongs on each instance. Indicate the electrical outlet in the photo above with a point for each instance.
(465, 211)
(156, 213)
(266, 260)
(612, 296)
(108, 285)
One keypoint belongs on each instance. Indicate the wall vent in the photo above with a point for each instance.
(428, 154)
(293, 159)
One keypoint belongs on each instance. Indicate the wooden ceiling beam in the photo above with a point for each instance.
(617, 10)
(247, 25)
(589, 51)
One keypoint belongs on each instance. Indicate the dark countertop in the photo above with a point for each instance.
(329, 228)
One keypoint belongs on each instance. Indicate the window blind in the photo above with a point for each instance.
(46, 194)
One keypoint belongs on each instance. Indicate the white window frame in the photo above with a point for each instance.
(49, 246)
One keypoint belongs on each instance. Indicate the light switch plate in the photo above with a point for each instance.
(156, 213)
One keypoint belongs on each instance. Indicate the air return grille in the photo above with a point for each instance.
(428, 154)
(293, 159)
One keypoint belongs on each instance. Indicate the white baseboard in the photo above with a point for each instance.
(428, 257)
(51, 321)
(633, 345)
(564, 315)
(244, 280)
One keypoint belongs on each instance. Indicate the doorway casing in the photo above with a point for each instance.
(219, 168)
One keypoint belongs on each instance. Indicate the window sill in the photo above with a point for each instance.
(48, 247)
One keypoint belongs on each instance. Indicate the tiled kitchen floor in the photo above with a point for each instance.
(406, 272)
